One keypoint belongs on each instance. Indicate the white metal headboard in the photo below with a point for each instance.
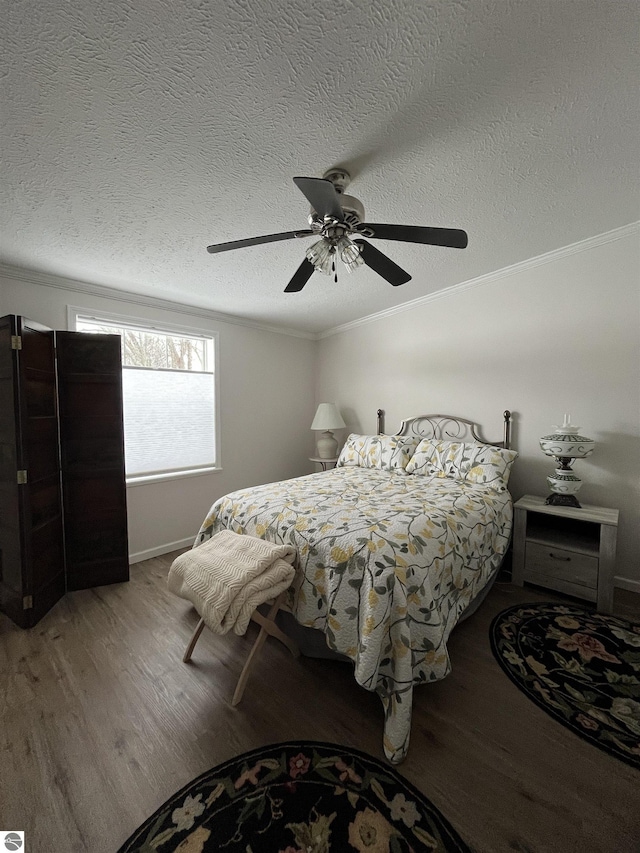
(447, 427)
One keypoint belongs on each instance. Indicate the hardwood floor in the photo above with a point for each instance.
(102, 722)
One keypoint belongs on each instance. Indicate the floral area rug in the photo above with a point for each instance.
(300, 797)
(582, 667)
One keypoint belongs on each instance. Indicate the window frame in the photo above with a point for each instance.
(75, 312)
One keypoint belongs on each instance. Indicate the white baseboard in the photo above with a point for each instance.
(627, 583)
(160, 550)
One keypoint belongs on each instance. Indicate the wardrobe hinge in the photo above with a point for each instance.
(16, 342)
(22, 477)
(27, 602)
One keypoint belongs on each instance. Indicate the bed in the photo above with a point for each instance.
(394, 546)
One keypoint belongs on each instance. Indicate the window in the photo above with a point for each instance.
(168, 384)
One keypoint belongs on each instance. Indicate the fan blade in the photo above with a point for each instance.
(381, 264)
(300, 277)
(451, 237)
(254, 241)
(322, 196)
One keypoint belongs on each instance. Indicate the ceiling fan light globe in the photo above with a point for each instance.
(352, 266)
(349, 254)
(321, 256)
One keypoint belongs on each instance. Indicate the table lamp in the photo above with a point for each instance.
(327, 418)
(565, 445)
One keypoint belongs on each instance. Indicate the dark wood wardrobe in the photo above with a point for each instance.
(63, 514)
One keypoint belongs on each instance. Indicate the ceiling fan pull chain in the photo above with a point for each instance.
(333, 270)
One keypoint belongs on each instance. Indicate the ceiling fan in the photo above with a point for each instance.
(338, 220)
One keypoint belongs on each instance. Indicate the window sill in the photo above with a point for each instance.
(145, 480)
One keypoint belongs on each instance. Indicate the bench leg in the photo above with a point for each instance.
(272, 629)
(244, 675)
(192, 642)
(268, 626)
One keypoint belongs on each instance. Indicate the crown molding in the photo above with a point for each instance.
(78, 286)
(488, 278)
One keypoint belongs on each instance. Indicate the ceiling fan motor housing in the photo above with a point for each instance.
(350, 204)
(352, 207)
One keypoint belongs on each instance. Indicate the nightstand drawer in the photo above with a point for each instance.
(550, 562)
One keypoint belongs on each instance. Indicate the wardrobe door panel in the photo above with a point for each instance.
(45, 501)
(11, 564)
(41, 437)
(32, 571)
(92, 447)
(47, 553)
(89, 398)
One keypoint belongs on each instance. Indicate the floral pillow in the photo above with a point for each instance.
(471, 462)
(387, 452)
(436, 458)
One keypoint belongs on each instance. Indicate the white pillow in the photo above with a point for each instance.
(387, 452)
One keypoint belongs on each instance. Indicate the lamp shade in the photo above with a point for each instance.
(327, 417)
(565, 442)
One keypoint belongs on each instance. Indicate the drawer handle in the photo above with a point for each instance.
(563, 559)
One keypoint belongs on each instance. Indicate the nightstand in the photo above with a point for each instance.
(324, 462)
(566, 549)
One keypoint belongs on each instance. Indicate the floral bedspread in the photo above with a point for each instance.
(387, 563)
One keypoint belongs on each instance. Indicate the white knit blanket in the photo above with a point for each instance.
(229, 575)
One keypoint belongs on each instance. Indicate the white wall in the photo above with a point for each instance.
(559, 335)
(266, 404)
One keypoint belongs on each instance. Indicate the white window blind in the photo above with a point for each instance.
(169, 420)
(168, 385)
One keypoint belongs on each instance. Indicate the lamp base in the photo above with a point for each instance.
(327, 445)
(563, 500)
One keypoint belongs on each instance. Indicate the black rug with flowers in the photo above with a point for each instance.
(299, 797)
(580, 666)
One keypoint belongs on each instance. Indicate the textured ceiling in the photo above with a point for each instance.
(136, 133)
